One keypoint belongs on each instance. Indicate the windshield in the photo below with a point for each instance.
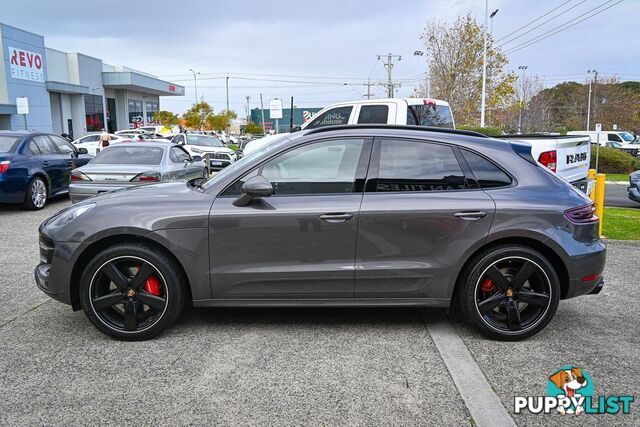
(7, 143)
(626, 136)
(203, 140)
(259, 152)
(430, 115)
(129, 155)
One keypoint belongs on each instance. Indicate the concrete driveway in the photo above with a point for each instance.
(297, 366)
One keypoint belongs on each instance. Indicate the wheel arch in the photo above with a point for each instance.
(541, 246)
(95, 247)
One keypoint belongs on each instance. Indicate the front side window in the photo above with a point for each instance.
(90, 138)
(63, 146)
(418, 166)
(373, 114)
(335, 116)
(178, 155)
(487, 174)
(614, 137)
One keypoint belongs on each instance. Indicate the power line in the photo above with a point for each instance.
(560, 29)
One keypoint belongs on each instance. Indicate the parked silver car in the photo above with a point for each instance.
(131, 164)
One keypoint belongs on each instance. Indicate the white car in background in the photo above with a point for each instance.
(92, 141)
(201, 145)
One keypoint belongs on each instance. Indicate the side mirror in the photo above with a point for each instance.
(82, 150)
(257, 186)
(196, 158)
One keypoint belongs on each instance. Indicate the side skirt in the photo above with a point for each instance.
(325, 302)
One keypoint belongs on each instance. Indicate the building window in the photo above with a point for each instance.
(152, 108)
(94, 112)
(135, 114)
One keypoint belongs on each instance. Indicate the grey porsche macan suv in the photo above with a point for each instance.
(339, 216)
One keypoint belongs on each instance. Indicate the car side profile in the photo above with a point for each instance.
(36, 166)
(339, 216)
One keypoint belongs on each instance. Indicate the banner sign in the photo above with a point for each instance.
(26, 65)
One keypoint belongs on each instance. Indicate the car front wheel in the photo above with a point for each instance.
(509, 292)
(131, 291)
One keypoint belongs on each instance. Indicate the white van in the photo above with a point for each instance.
(392, 111)
(605, 136)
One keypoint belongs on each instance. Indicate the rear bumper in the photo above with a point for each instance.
(584, 185)
(586, 269)
(12, 190)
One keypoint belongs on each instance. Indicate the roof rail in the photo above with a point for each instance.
(399, 127)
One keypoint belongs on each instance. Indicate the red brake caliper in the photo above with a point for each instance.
(487, 285)
(152, 286)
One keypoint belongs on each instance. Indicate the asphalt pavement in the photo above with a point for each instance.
(293, 366)
(615, 195)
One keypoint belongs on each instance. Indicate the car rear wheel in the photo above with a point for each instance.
(509, 292)
(37, 193)
(131, 291)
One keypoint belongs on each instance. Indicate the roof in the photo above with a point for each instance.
(395, 127)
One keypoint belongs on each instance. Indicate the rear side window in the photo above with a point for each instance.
(44, 145)
(64, 147)
(430, 115)
(335, 116)
(487, 174)
(7, 143)
(418, 166)
(373, 114)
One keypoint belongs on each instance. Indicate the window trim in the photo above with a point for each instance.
(374, 168)
(364, 163)
(471, 176)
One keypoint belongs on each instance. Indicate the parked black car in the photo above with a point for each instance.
(337, 216)
(36, 166)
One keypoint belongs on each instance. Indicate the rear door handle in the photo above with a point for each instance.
(471, 215)
(336, 217)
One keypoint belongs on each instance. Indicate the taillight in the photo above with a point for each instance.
(79, 176)
(4, 165)
(549, 159)
(582, 214)
(428, 102)
(146, 177)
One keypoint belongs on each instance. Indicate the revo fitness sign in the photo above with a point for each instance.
(26, 65)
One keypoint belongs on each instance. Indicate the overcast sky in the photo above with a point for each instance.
(323, 44)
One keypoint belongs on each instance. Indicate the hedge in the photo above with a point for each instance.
(612, 160)
(488, 130)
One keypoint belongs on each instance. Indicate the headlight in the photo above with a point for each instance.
(68, 215)
(195, 150)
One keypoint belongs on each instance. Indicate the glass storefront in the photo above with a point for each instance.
(135, 114)
(94, 112)
(152, 108)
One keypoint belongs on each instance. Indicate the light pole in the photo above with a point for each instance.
(522, 102)
(195, 82)
(493, 14)
(595, 72)
(484, 63)
(421, 53)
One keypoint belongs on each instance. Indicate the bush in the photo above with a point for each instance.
(488, 130)
(612, 160)
(234, 147)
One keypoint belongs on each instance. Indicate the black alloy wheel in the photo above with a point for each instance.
(128, 294)
(511, 293)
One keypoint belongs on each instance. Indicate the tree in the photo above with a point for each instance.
(253, 128)
(221, 121)
(455, 68)
(166, 118)
(198, 115)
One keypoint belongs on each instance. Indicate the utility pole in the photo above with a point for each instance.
(484, 63)
(595, 81)
(264, 130)
(369, 94)
(389, 66)
(227, 87)
(522, 101)
(589, 106)
(195, 82)
(248, 109)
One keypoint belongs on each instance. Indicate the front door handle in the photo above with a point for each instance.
(336, 217)
(471, 215)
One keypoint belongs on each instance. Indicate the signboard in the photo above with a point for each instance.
(275, 109)
(22, 105)
(598, 127)
(615, 127)
(26, 65)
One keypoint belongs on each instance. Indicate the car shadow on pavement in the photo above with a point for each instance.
(60, 201)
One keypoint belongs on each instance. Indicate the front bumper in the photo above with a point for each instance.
(53, 273)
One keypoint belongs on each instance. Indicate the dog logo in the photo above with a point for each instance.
(573, 385)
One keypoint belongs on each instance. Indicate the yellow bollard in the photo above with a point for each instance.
(599, 200)
(592, 176)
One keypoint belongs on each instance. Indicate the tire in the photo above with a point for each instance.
(508, 292)
(132, 292)
(37, 194)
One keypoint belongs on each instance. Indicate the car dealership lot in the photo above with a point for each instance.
(289, 366)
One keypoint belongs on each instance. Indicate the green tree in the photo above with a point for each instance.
(198, 115)
(221, 121)
(166, 118)
(455, 68)
(253, 128)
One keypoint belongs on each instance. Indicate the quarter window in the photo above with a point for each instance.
(335, 116)
(418, 166)
(487, 174)
(373, 114)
